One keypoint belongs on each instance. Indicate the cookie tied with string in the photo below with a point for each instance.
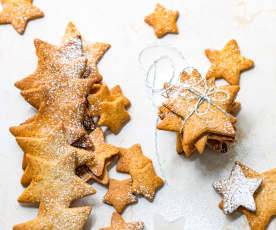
(199, 111)
(18, 13)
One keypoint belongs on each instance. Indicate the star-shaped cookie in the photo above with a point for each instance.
(113, 115)
(102, 152)
(118, 223)
(140, 168)
(55, 182)
(18, 13)
(66, 102)
(92, 51)
(51, 147)
(212, 118)
(265, 198)
(56, 218)
(119, 194)
(237, 190)
(227, 63)
(163, 21)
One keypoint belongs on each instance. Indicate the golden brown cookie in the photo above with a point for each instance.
(103, 94)
(118, 223)
(69, 108)
(56, 217)
(55, 182)
(51, 147)
(163, 21)
(18, 13)
(119, 194)
(102, 152)
(131, 156)
(114, 115)
(140, 168)
(213, 120)
(265, 198)
(227, 63)
(92, 51)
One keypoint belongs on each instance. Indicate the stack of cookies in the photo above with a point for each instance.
(64, 144)
(200, 112)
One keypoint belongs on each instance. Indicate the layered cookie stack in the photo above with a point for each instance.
(63, 143)
(200, 112)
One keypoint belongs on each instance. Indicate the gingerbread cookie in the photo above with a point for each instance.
(55, 182)
(18, 13)
(51, 147)
(227, 63)
(118, 223)
(145, 180)
(119, 194)
(102, 152)
(264, 198)
(114, 115)
(237, 191)
(163, 21)
(57, 217)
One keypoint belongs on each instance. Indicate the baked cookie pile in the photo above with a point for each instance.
(200, 112)
(64, 144)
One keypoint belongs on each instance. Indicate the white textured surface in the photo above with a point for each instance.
(188, 202)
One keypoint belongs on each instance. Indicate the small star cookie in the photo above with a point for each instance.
(114, 115)
(163, 21)
(118, 223)
(227, 63)
(18, 13)
(102, 152)
(119, 194)
(140, 168)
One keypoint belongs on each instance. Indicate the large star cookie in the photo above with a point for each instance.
(18, 13)
(227, 63)
(265, 198)
(163, 21)
(55, 182)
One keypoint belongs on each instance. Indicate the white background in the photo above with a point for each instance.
(187, 202)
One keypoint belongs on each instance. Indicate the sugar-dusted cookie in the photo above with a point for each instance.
(237, 191)
(50, 147)
(163, 21)
(55, 182)
(145, 180)
(114, 115)
(132, 156)
(118, 223)
(210, 115)
(227, 63)
(102, 152)
(18, 13)
(265, 198)
(69, 108)
(119, 194)
(92, 51)
(57, 217)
